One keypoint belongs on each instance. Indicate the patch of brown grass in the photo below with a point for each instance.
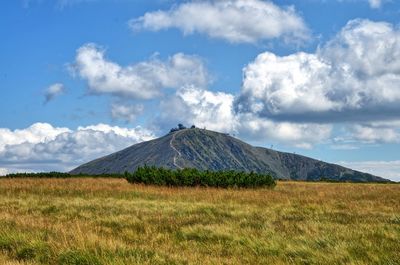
(108, 221)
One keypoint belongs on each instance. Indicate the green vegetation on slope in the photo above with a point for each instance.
(193, 177)
(208, 150)
(107, 221)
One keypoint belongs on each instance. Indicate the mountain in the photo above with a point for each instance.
(209, 150)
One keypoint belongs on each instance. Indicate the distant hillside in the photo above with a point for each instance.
(209, 150)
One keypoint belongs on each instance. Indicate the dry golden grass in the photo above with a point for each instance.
(108, 221)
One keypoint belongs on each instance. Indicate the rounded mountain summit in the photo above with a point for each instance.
(209, 150)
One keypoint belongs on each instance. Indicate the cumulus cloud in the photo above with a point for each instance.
(275, 85)
(44, 147)
(36, 133)
(125, 111)
(203, 108)
(143, 80)
(216, 111)
(355, 76)
(53, 91)
(236, 21)
(385, 169)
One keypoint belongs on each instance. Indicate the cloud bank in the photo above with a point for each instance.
(235, 21)
(385, 169)
(42, 147)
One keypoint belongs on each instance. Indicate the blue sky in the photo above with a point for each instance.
(83, 78)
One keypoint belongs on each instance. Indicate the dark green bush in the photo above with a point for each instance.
(26, 253)
(76, 257)
(193, 177)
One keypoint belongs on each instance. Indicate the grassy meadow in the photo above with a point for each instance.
(109, 221)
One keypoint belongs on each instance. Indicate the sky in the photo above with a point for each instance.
(80, 79)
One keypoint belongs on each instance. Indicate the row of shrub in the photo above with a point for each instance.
(39, 175)
(189, 177)
(54, 174)
(152, 175)
(193, 177)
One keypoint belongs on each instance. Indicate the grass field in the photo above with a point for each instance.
(108, 221)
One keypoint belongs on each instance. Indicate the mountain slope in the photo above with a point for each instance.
(208, 150)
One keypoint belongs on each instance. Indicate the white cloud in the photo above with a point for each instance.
(44, 147)
(301, 135)
(3, 171)
(356, 135)
(137, 134)
(385, 169)
(355, 76)
(344, 147)
(126, 112)
(216, 111)
(286, 85)
(36, 133)
(53, 91)
(368, 133)
(375, 3)
(213, 110)
(144, 80)
(236, 21)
